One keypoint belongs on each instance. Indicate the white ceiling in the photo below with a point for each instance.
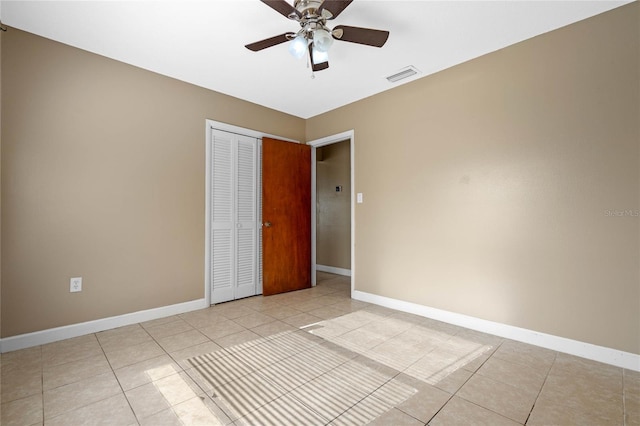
(202, 42)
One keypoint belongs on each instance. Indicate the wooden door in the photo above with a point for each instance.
(286, 216)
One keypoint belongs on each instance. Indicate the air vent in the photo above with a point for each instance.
(403, 73)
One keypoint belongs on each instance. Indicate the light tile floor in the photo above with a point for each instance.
(311, 357)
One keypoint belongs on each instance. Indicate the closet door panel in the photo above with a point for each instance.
(222, 181)
(222, 273)
(246, 263)
(246, 212)
(246, 182)
(234, 216)
(222, 221)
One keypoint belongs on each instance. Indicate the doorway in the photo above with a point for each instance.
(333, 209)
(346, 192)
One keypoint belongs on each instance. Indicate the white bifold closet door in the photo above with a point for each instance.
(234, 216)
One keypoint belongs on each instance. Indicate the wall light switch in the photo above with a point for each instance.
(75, 284)
(359, 197)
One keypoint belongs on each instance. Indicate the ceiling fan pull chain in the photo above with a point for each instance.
(313, 74)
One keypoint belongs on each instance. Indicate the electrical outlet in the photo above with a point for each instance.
(75, 284)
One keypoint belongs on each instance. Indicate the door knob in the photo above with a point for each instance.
(267, 224)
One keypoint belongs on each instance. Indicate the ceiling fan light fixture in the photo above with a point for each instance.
(298, 46)
(322, 40)
(319, 56)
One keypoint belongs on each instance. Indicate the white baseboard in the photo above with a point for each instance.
(36, 338)
(603, 354)
(334, 270)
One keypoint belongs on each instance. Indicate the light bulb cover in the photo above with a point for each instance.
(318, 56)
(322, 40)
(298, 47)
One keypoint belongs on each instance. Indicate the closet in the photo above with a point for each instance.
(234, 216)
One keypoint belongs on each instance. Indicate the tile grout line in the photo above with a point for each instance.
(116, 376)
(153, 338)
(66, 384)
(367, 396)
(125, 366)
(555, 356)
(462, 385)
(204, 391)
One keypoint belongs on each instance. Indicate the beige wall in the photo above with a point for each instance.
(103, 176)
(486, 185)
(333, 209)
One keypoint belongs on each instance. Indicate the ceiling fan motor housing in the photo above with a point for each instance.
(309, 9)
(310, 18)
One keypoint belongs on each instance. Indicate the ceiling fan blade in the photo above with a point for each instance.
(360, 35)
(272, 41)
(282, 7)
(319, 66)
(334, 6)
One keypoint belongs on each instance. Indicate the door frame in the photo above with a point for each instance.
(317, 143)
(212, 124)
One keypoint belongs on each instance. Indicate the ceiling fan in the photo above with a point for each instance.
(314, 37)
